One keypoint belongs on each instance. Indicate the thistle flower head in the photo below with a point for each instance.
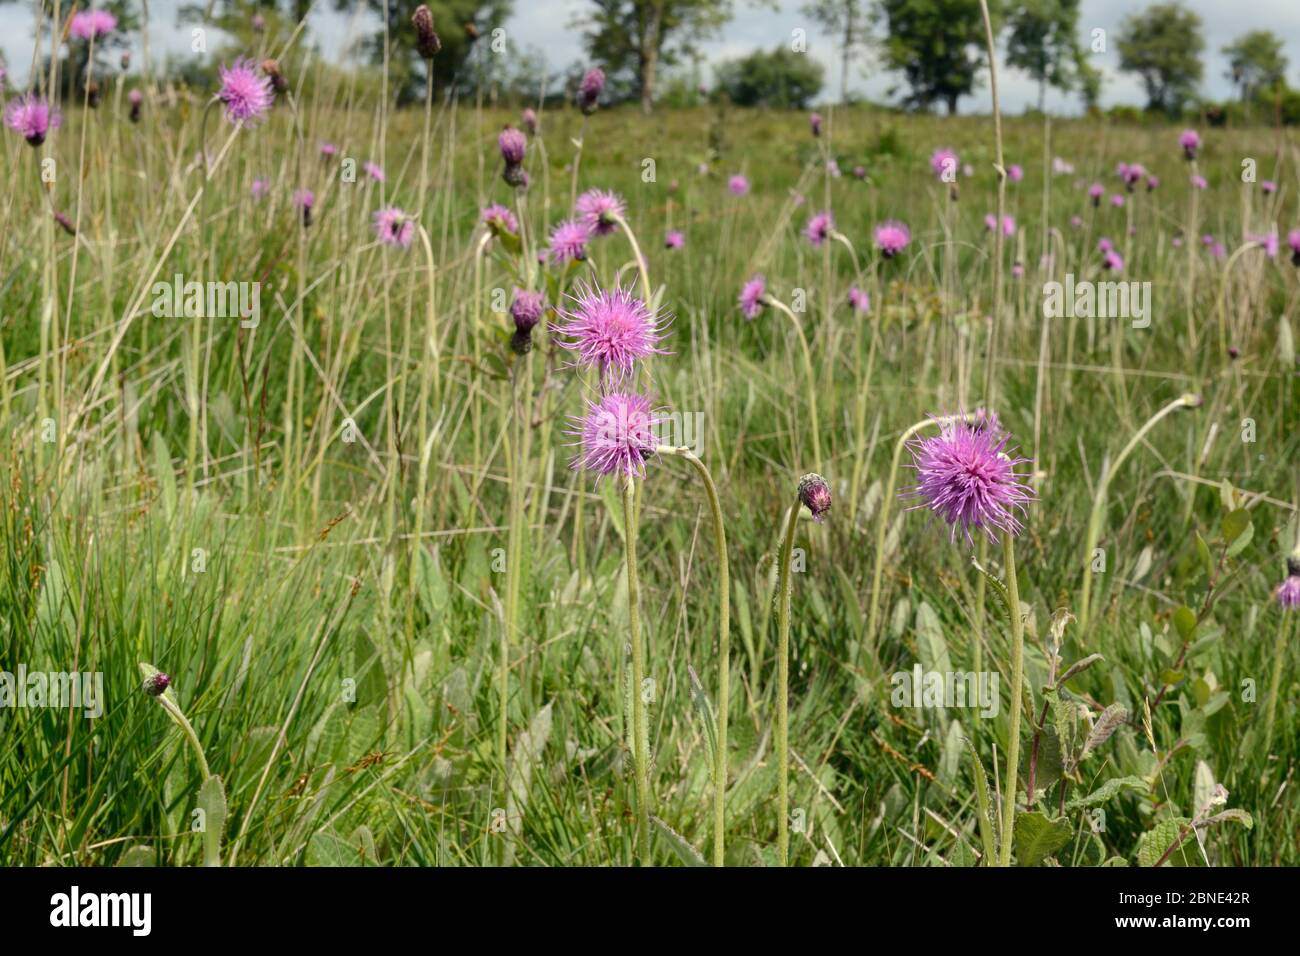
(1153, 183)
(526, 309)
(610, 330)
(1133, 174)
(513, 145)
(616, 436)
(499, 219)
(965, 476)
(859, 299)
(258, 23)
(261, 187)
(374, 171)
(1288, 592)
(394, 227)
(815, 495)
(156, 684)
(598, 209)
(247, 95)
(135, 97)
(1112, 262)
(568, 242)
(1270, 242)
(64, 222)
(593, 84)
(427, 42)
(815, 121)
(328, 150)
(944, 160)
(892, 238)
(674, 239)
(1117, 200)
(1293, 241)
(819, 228)
(1190, 141)
(1268, 186)
(1008, 224)
(859, 172)
(751, 296)
(305, 201)
(1015, 173)
(1199, 182)
(89, 24)
(32, 118)
(529, 118)
(738, 185)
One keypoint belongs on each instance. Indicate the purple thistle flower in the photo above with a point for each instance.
(815, 121)
(738, 185)
(1288, 592)
(751, 296)
(1268, 186)
(1132, 175)
(261, 187)
(1293, 240)
(394, 227)
(513, 145)
(819, 228)
(1117, 201)
(374, 171)
(859, 299)
(593, 84)
(1104, 245)
(156, 684)
(815, 495)
(1095, 192)
(597, 209)
(529, 118)
(965, 475)
(610, 330)
(859, 172)
(1112, 262)
(258, 23)
(32, 118)
(1076, 221)
(1190, 141)
(305, 200)
(1153, 183)
(500, 220)
(944, 161)
(1269, 241)
(569, 242)
(1017, 270)
(89, 24)
(892, 238)
(1015, 173)
(1199, 182)
(328, 150)
(64, 222)
(526, 309)
(617, 436)
(247, 95)
(674, 239)
(1008, 224)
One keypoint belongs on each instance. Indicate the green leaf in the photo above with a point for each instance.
(1235, 524)
(679, 844)
(708, 719)
(138, 855)
(212, 801)
(1233, 816)
(1037, 837)
(1110, 720)
(1185, 623)
(1106, 792)
(1156, 842)
(1239, 543)
(1207, 559)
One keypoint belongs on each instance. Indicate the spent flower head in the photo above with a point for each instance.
(815, 495)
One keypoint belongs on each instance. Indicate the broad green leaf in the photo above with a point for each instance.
(1037, 837)
(1153, 844)
(1185, 623)
(1235, 524)
(679, 844)
(1106, 792)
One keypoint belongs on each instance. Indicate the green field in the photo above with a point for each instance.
(308, 524)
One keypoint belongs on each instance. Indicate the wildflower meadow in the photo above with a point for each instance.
(398, 471)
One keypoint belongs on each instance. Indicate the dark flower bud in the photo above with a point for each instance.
(471, 32)
(92, 94)
(272, 69)
(815, 495)
(527, 309)
(515, 176)
(125, 61)
(521, 342)
(63, 220)
(155, 685)
(593, 84)
(426, 40)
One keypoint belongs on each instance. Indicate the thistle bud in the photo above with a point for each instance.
(426, 40)
(471, 32)
(155, 684)
(92, 94)
(815, 495)
(136, 99)
(529, 118)
(62, 219)
(125, 60)
(593, 84)
(272, 69)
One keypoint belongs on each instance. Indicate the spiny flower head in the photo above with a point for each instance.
(674, 239)
(815, 495)
(1112, 262)
(1190, 141)
(526, 309)
(610, 330)
(32, 118)
(1199, 182)
(328, 150)
(499, 219)
(1288, 592)
(513, 145)
(593, 84)
(751, 296)
(1153, 183)
(89, 24)
(1008, 224)
(598, 209)
(305, 201)
(135, 97)
(394, 227)
(819, 228)
(965, 476)
(247, 95)
(156, 684)
(1117, 200)
(892, 238)
(1269, 241)
(859, 299)
(374, 171)
(1133, 174)
(1268, 186)
(943, 161)
(568, 242)
(738, 185)
(617, 435)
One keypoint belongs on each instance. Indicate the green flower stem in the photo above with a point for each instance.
(639, 747)
(1017, 691)
(724, 648)
(808, 372)
(783, 694)
(639, 255)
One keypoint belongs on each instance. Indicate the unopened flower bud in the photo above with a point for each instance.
(427, 41)
(156, 684)
(815, 495)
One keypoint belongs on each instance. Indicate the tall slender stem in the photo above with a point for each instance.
(639, 738)
(1017, 690)
(783, 694)
(808, 372)
(1275, 682)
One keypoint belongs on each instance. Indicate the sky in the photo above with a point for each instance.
(547, 27)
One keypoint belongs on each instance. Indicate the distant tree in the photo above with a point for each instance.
(1256, 62)
(938, 46)
(1163, 46)
(636, 37)
(1042, 40)
(847, 19)
(780, 78)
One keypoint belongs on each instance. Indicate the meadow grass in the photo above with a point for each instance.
(307, 524)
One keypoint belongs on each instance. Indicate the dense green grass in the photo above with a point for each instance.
(339, 671)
